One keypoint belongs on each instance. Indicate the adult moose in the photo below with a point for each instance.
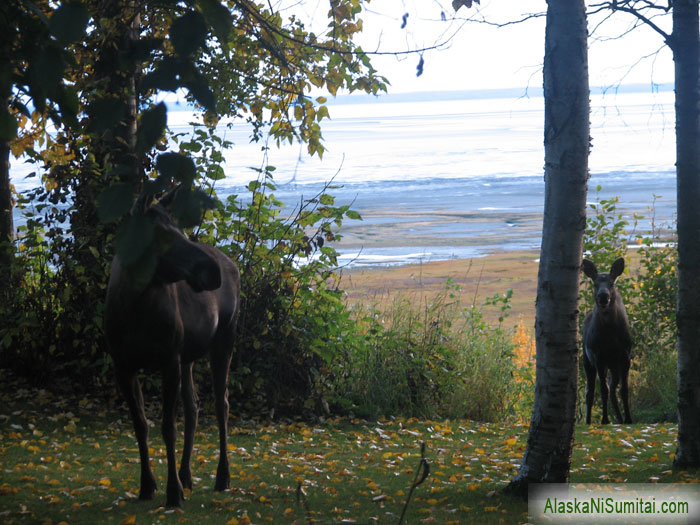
(188, 309)
(607, 341)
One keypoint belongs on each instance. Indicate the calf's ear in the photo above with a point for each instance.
(589, 269)
(617, 268)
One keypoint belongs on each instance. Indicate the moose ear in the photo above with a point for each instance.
(167, 199)
(141, 204)
(205, 275)
(617, 268)
(589, 269)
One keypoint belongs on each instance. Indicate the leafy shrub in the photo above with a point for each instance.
(51, 316)
(292, 319)
(429, 358)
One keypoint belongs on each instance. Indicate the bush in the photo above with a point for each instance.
(431, 358)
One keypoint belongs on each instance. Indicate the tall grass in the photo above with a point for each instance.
(433, 357)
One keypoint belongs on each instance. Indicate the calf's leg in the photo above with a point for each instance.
(590, 386)
(190, 404)
(603, 377)
(171, 393)
(625, 393)
(220, 361)
(131, 390)
(615, 380)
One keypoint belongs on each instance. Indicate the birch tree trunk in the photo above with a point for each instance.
(685, 44)
(566, 139)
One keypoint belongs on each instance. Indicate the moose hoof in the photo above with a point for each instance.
(222, 483)
(185, 479)
(146, 495)
(175, 498)
(148, 488)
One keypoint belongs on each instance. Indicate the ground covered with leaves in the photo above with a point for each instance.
(76, 461)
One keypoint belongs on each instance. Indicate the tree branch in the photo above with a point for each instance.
(625, 8)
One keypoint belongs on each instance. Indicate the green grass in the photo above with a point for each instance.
(78, 463)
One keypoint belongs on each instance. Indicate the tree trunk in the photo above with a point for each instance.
(686, 54)
(7, 228)
(548, 454)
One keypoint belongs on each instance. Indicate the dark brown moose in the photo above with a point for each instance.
(187, 310)
(607, 342)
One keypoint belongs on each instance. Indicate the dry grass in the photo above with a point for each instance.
(477, 278)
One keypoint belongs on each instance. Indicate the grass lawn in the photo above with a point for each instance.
(77, 462)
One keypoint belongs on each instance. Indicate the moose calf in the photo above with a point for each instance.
(188, 310)
(607, 341)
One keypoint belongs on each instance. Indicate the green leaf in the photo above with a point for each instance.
(175, 166)
(67, 24)
(188, 206)
(133, 238)
(46, 71)
(151, 127)
(164, 78)
(216, 172)
(8, 125)
(105, 113)
(141, 271)
(114, 202)
(188, 33)
(351, 214)
(327, 199)
(202, 94)
(219, 18)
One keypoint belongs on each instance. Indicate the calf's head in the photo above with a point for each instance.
(178, 258)
(604, 283)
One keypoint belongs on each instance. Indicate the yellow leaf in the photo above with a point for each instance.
(105, 482)
(511, 441)
(130, 520)
(232, 521)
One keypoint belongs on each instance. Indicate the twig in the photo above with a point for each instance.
(423, 467)
(301, 498)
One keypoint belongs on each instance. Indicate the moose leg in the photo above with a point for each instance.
(603, 376)
(615, 380)
(191, 408)
(590, 386)
(171, 393)
(220, 362)
(625, 393)
(131, 390)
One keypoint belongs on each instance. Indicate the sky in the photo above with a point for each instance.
(481, 56)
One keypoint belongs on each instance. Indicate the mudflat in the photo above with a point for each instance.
(477, 278)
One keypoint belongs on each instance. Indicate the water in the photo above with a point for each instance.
(436, 179)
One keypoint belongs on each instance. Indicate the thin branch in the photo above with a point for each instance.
(615, 6)
(484, 21)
